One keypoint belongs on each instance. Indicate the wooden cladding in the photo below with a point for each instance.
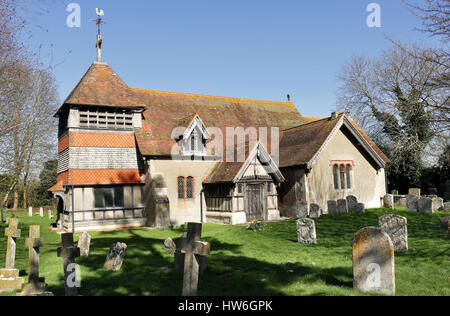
(102, 119)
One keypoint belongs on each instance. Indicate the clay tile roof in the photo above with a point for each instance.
(103, 87)
(300, 144)
(167, 110)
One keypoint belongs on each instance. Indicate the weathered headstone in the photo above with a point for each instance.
(425, 205)
(447, 206)
(191, 245)
(360, 208)
(388, 201)
(342, 206)
(394, 192)
(397, 228)
(9, 277)
(30, 211)
(438, 203)
(115, 256)
(314, 210)
(306, 231)
(351, 202)
(332, 207)
(412, 202)
(402, 202)
(41, 212)
(373, 261)
(84, 243)
(301, 209)
(414, 191)
(68, 252)
(35, 286)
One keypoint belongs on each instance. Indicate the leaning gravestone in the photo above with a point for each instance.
(35, 286)
(332, 207)
(412, 202)
(342, 206)
(425, 205)
(306, 231)
(373, 261)
(301, 209)
(9, 277)
(414, 191)
(314, 210)
(360, 208)
(84, 243)
(68, 252)
(115, 256)
(397, 229)
(388, 201)
(351, 202)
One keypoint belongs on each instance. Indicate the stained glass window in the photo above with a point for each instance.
(190, 188)
(180, 187)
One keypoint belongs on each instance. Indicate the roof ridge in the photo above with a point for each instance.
(212, 96)
(313, 122)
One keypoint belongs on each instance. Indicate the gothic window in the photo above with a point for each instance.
(335, 177)
(349, 181)
(190, 188)
(240, 188)
(181, 187)
(342, 173)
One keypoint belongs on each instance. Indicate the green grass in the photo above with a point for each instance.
(248, 263)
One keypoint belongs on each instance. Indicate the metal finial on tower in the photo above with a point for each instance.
(99, 21)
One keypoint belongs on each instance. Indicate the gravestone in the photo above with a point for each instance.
(360, 208)
(342, 206)
(9, 276)
(412, 202)
(332, 207)
(447, 206)
(35, 285)
(115, 256)
(394, 192)
(68, 252)
(438, 203)
(373, 261)
(425, 205)
(191, 245)
(351, 202)
(301, 209)
(84, 243)
(314, 210)
(306, 231)
(402, 202)
(397, 229)
(388, 201)
(30, 211)
(414, 191)
(41, 212)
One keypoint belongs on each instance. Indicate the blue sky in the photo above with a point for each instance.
(257, 49)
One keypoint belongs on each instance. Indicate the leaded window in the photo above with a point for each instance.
(336, 177)
(190, 188)
(349, 181)
(181, 187)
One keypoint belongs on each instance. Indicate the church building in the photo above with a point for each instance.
(130, 157)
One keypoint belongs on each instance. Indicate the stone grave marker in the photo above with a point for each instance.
(412, 202)
(447, 206)
(301, 209)
(388, 201)
(414, 191)
(397, 228)
(9, 276)
(332, 207)
(68, 252)
(314, 210)
(306, 231)
(41, 212)
(115, 256)
(425, 205)
(373, 261)
(394, 192)
(84, 243)
(438, 203)
(191, 245)
(351, 202)
(30, 211)
(342, 206)
(360, 208)
(35, 286)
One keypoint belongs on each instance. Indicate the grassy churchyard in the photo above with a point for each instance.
(243, 262)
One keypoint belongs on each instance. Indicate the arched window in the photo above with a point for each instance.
(342, 172)
(181, 187)
(349, 181)
(336, 177)
(190, 188)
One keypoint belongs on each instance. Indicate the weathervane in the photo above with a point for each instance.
(99, 21)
